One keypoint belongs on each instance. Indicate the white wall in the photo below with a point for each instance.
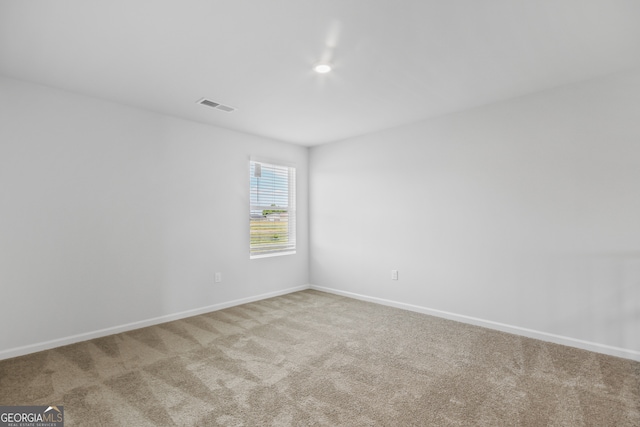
(525, 212)
(111, 215)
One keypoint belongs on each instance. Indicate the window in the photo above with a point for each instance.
(272, 211)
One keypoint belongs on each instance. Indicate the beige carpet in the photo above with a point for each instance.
(311, 358)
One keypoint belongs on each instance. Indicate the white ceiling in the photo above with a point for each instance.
(395, 62)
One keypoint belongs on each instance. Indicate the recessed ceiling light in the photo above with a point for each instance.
(322, 68)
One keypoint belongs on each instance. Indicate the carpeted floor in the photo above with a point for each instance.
(311, 358)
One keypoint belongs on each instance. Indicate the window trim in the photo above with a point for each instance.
(291, 208)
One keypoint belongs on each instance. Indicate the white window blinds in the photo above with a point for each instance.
(272, 211)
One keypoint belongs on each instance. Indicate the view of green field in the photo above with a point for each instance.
(265, 235)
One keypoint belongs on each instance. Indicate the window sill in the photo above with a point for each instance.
(272, 255)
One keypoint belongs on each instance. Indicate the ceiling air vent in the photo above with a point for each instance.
(216, 105)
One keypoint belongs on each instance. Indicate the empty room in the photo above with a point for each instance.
(336, 213)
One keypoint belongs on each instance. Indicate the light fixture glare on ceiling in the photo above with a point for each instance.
(322, 68)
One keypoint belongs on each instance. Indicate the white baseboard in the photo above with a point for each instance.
(59, 342)
(530, 333)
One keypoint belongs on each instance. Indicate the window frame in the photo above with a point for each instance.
(290, 248)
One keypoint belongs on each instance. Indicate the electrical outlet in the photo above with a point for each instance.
(218, 277)
(394, 274)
